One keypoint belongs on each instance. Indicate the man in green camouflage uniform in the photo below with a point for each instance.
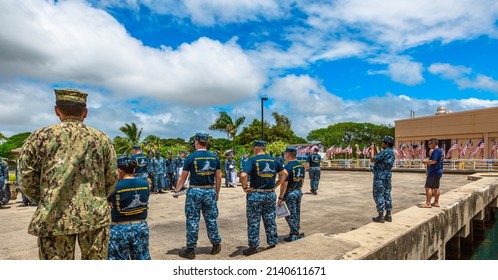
(69, 169)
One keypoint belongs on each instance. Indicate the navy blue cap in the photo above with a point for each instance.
(124, 161)
(158, 152)
(316, 148)
(259, 143)
(151, 153)
(388, 139)
(202, 137)
(170, 153)
(291, 149)
(136, 147)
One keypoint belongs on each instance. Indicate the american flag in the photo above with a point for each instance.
(349, 150)
(396, 152)
(401, 152)
(423, 152)
(464, 150)
(410, 151)
(330, 152)
(480, 146)
(452, 148)
(358, 151)
(365, 150)
(338, 150)
(301, 151)
(494, 149)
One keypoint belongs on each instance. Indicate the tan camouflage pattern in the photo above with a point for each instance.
(69, 169)
(93, 245)
(70, 95)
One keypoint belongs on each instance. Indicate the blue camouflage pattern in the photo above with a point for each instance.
(129, 242)
(314, 177)
(171, 169)
(4, 173)
(261, 205)
(201, 200)
(293, 200)
(158, 169)
(384, 162)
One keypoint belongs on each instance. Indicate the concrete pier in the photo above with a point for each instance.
(415, 233)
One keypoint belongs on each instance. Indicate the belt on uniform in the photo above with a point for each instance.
(315, 167)
(128, 222)
(202, 187)
(263, 190)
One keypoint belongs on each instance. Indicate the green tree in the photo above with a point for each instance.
(151, 143)
(132, 137)
(281, 131)
(226, 124)
(350, 133)
(276, 147)
(2, 137)
(13, 142)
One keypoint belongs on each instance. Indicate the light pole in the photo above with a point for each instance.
(263, 99)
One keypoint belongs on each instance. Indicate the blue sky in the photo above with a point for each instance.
(171, 65)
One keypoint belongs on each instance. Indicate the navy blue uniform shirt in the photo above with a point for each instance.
(263, 169)
(436, 170)
(202, 166)
(130, 200)
(296, 173)
(314, 160)
(142, 162)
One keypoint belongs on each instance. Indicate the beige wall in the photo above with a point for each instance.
(475, 125)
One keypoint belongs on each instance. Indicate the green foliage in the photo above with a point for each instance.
(281, 131)
(13, 142)
(2, 137)
(175, 149)
(276, 147)
(132, 137)
(350, 133)
(226, 124)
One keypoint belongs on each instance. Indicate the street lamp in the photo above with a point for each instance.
(263, 99)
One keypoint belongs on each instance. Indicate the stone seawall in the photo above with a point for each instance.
(415, 233)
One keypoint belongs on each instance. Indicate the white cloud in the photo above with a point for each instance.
(72, 42)
(404, 24)
(208, 12)
(404, 72)
(464, 77)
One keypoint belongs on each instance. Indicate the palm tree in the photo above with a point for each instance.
(132, 137)
(152, 143)
(225, 123)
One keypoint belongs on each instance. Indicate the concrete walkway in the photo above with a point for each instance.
(344, 203)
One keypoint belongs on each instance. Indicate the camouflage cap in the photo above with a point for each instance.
(388, 139)
(202, 136)
(259, 143)
(70, 95)
(136, 147)
(124, 161)
(291, 149)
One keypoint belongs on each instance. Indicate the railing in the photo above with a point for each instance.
(461, 164)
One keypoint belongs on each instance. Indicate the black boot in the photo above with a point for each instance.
(187, 253)
(216, 249)
(380, 218)
(388, 217)
(250, 251)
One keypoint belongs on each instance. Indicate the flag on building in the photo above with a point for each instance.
(452, 148)
(475, 150)
(464, 150)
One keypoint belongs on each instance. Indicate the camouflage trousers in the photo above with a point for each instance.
(293, 200)
(382, 194)
(201, 200)
(261, 205)
(230, 178)
(171, 180)
(159, 182)
(93, 245)
(314, 177)
(129, 242)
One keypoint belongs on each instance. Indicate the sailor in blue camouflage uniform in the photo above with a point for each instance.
(150, 157)
(141, 172)
(293, 194)
(382, 179)
(313, 162)
(229, 168)
(281, 158)
(202, 195)
(4, 179)
(158, 170)
(129, 231)
(171, 169)
(180, 161)
(243, 162)
(261, 197)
